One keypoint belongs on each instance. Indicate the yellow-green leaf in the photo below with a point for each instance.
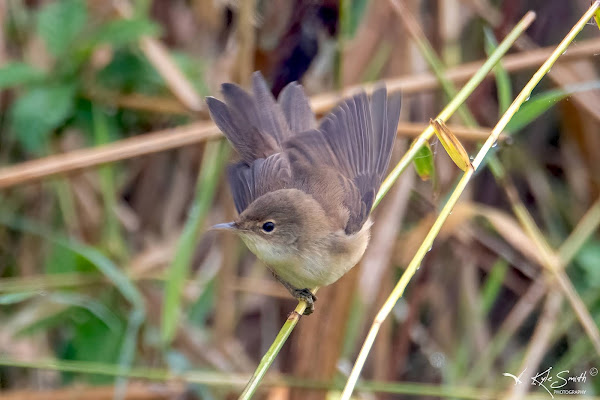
(453, 147)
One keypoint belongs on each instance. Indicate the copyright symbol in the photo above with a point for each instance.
(593, 371)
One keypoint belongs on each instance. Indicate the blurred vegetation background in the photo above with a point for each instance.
(111, 171)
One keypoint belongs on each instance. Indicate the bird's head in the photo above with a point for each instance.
(278, 223)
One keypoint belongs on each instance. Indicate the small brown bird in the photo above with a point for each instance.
(304, 191)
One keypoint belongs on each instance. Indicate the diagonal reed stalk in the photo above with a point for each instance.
(550, 261)
(445, 212)
(446, 113)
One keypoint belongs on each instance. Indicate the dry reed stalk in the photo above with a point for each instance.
(320, 337)
(150, 143)
(225, 313)
(225, 309)
(476, 326)
(380, 251)
(120, 150)
(135, 391)
(359, 52)
(138, 102)
(177, 137)
(427, 81)
(245, 39)
(378, 271)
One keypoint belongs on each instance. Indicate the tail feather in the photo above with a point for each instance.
(270, 117)
(249, 142)
(257, 125)
(296, 108)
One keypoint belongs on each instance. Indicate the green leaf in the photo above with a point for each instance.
(60, 23)
(351, 12)
(38, 112)
(423, 162)
(587, 258)
(94, 341)
(61, 260)
(18, 73)
(128, 71)
(540, 103)
(123, 31)
(503, 83)
(204, 305)
(493, 284)
(112, 228)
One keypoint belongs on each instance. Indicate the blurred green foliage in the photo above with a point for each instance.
(49, 100)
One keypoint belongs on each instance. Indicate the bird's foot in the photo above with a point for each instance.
(308, 297)
(301, 294)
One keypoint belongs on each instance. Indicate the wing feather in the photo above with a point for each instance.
(296, 108)
(270, 117)
(356, 140)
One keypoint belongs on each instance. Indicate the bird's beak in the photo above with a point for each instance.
(228, 226)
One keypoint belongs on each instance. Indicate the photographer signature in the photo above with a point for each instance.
(556, 382)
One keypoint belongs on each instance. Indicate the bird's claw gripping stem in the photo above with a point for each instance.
(308, 297)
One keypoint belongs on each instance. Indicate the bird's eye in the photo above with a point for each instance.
(268, 226)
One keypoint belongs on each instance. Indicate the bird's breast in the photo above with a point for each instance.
(318, 263)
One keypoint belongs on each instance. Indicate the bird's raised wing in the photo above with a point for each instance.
(356, 140)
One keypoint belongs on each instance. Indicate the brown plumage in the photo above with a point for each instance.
(304, 191)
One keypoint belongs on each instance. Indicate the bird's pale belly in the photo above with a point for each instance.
(325, 262)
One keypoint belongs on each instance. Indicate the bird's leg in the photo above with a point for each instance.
(301, 294)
